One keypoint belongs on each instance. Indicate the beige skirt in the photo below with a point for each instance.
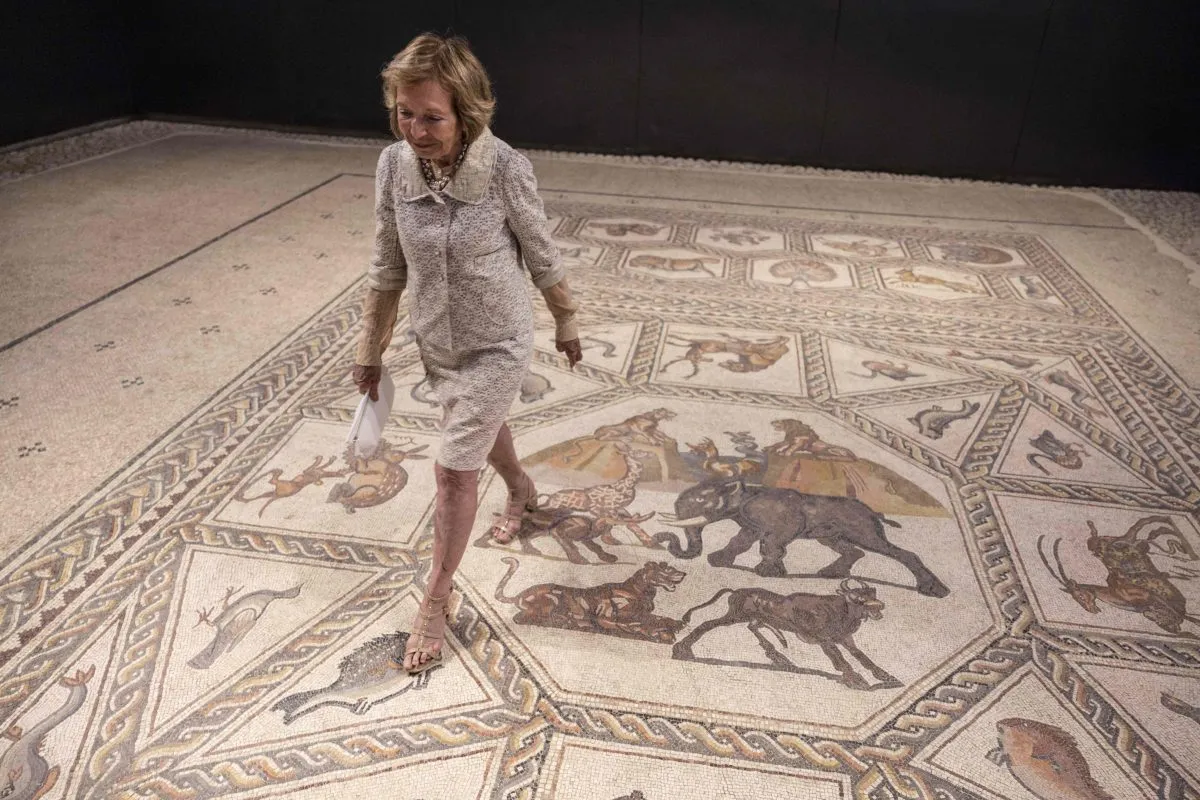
(476, 388)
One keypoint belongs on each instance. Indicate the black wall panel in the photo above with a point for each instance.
(565, 73)
(335, 50)
(735, 81)
(65, 63)
(1072, 91)
(933, 86)
(1117, 95)
(223, 59)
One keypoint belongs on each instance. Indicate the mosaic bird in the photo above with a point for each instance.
(1045, 760)
(371, 674)
(24, 774)
(235, 621)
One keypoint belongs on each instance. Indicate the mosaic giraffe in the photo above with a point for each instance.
(609, 501)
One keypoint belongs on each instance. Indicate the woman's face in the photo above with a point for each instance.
(425, 113)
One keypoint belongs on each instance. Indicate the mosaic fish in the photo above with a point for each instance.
(371, 674)
(1080, 397)
(1018, 362)
(1045, 760)
(1180, 707)
(932, 422)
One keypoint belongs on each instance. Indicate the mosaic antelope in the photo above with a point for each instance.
(698, 264)
(313, 475)
(1135, 583)
(749, 355)
(907, 276)
(609, 501)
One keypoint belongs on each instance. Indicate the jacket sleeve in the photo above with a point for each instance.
(527, 218)
(387, 274)
(378, 321)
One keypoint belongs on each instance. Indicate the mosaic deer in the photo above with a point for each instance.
(377, 478)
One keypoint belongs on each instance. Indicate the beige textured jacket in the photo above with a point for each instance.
(459, 254)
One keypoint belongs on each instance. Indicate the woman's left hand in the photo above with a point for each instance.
(572, 349)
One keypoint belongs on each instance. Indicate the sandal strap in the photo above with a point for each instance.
(427, 611)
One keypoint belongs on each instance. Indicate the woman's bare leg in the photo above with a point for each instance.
(503, 459)
(522, 494)
(453, 517)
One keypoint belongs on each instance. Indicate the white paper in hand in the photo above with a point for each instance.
(367, 429)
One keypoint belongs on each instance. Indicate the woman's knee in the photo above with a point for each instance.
(455, 480)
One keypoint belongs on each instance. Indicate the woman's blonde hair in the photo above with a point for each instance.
(450, 62)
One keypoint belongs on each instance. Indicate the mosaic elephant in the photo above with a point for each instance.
(774, 518)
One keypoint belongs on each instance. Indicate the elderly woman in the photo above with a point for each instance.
(456, 212)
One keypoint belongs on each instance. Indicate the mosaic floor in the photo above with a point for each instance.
(850, 508)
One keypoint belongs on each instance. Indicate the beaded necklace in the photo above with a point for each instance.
(435, 178)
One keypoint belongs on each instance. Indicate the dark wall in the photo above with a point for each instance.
(65, 63)
(1117, 94)
(1073, 91)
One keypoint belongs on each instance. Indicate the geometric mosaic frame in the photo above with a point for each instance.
(113, 564)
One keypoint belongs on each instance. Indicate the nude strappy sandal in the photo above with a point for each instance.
(427, 613)
(506, 528)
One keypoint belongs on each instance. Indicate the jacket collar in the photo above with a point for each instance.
(470, 182)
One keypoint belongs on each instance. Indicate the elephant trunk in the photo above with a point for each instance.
(695, 544)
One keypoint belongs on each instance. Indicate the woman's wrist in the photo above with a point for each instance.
(566, 329)
(378, 318)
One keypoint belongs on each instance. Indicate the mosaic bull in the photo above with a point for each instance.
(828, 621)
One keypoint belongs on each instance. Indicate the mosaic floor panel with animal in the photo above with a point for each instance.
(836, 506)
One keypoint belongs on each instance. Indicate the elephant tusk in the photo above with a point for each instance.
(683, 523)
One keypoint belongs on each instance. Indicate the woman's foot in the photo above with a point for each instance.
(424, 649)
(506, 528)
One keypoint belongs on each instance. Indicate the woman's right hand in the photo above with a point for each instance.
(366, 378)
